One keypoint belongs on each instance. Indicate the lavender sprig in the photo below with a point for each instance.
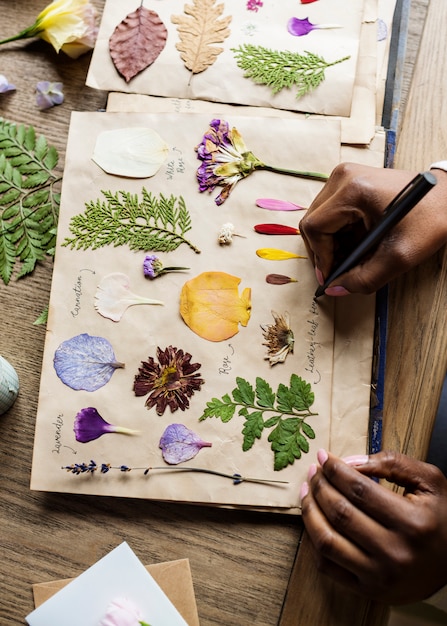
(104, 468)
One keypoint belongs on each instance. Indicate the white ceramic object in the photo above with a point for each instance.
(9, 385)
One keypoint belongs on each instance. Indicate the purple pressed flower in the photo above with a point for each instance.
(5, 85)
(81, 468)
(153, 267)
(89, 425)
(299, 27)
(178, 444)
(226, 160)
(254, 5)
(48, 94)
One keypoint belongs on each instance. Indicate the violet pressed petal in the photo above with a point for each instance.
(300, 27)
(89, 425)
(178, 444)
(85, 362)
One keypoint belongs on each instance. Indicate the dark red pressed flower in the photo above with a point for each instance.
(170, 382)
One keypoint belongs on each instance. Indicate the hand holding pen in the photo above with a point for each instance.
(352, 204)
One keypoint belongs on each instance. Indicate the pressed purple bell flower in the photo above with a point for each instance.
(89, 425)
(48, 94)
(5, 85)
(299, 27)
(153, 267)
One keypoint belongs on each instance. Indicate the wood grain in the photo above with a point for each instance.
(416, 352)
(240, 561)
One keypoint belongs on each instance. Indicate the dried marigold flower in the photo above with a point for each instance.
(170, 382)
(279, 338)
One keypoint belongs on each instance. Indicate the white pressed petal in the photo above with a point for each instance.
(132, 152)
(113, 296)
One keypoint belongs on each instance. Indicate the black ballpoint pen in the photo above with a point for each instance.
(405, 200)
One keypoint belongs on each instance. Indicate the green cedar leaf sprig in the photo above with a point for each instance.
(29, 201)
(157, 224)
(282, 69)
(285, 412)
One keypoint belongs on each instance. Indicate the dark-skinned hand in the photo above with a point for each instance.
(386, 545)
(349, 206)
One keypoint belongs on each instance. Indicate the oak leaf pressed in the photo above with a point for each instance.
(199, 30)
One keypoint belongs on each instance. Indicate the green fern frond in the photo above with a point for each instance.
(29, 201)
(156, 224)
(282, 69)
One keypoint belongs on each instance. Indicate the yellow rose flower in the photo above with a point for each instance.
(68, 25)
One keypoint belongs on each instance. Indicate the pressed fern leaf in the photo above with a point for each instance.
(199, 30)
(157, 224)
(29, 201)
(281, 69)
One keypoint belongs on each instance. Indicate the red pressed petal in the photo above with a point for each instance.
(276, 229)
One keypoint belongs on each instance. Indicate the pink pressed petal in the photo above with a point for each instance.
(277, 205)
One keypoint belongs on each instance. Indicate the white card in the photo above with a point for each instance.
(120, 574)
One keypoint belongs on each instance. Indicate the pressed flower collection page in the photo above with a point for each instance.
(225, 52)
(185, 357)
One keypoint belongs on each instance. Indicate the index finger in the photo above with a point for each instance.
(388, 508)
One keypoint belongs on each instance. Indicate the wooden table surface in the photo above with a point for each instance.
(240, 561)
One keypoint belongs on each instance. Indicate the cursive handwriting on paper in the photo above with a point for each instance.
(226, 366)
(313, 324)
(58, 425)
(78, 293)
(176, 165)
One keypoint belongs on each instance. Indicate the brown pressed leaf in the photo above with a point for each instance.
(198, 30)
(137, 41)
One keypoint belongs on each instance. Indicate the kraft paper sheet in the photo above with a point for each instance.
(358, 128)
(173, 577)
(333, 339)
(224, 81)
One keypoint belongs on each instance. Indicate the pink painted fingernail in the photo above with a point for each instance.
(311, 472)
(337, 291)
(319, 276)
(322, 456)
(356, 459)
(304, 490)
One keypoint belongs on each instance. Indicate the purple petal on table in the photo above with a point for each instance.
(5, 85)
(178, 444)
(278, 205)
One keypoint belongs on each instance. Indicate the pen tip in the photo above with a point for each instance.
(319, 292)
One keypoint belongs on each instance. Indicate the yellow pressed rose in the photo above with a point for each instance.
(68, 25)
